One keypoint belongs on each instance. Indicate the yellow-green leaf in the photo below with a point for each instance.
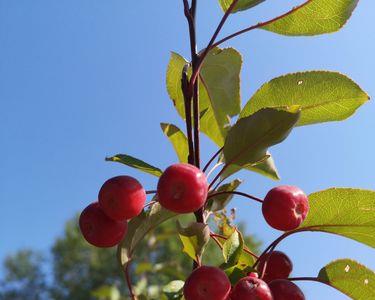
(349, 277)
(241, 4)
(138, 227)
(178, 139)
(322, 96)
(135, 163)
(194, 238)
(315, 17)
(343, 211)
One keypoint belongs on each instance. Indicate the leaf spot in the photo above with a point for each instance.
(300, 82)
(366, 281)
(347, 268)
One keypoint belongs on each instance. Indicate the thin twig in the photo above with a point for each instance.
(259, 25)
(151, 192)
(212, 159)
(235, 193)
(214, 236)
(128, 281)
(213, 169)
(211, 42)
(187, 102)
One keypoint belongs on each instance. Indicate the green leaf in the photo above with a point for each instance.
(135, 163)
(219, 90)
(138, 227)
(266, 168)
(174, 289)
(241, 5)
(349, 277)
(194, 238)
(107, 293)
(221, 201)
(343, 211)
(178, 140)
(249, 139)
(322, 96)
(314, 17)
(232, 249)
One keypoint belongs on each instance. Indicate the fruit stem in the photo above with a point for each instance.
(212, 159)
(151, 192)
(215, 237)
(259, 25)
(235, 193)
(306, 279)
(128, 281)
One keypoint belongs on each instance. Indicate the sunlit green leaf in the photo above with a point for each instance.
(349, 277)
(232, 249)
(343, 211)
(135, 163)
(315, 17)
(250, 138)
(174, 289)
(322, 96)
(194, 238)
(178, 140)
(107, 293)
(241, 5)
(138, 227)
(219, 90)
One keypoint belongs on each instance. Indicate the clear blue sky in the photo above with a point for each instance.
(82, 79)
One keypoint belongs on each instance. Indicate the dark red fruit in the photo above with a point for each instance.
(285, 207)
(98, 229)
(251, 288)
(285, 290)
(182, 188)
(122, 198)
(207, 283)
(279, 266)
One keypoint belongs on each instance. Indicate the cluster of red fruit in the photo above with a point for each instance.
(212, 283)
(183, 188)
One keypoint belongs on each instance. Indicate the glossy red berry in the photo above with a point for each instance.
(285, 207)
(122, 198)
(251, 288)
(279, 266)
(98, 229)
(182, 188)
(285, 290)
(207, 283)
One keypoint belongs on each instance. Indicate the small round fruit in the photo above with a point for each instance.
(98, 229)
(182, 188)
(285, 207)
(122, 198)
(251, 288)
(207, 283)
(285, 290)
(279, 266)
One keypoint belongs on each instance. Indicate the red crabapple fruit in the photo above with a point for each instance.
(182, 188)
(122, 198)
(285, 207)
(285, 290)
(279, 266)
(98, 229)
(207, 283)
(251, 288)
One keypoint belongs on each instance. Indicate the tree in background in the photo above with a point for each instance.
(75, 270)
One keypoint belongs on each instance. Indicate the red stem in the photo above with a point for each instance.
(214, 236)
(128, 281)
(261, 24)
(235, 193)
(212, 159)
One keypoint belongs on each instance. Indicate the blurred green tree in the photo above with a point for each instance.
(76, 270)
